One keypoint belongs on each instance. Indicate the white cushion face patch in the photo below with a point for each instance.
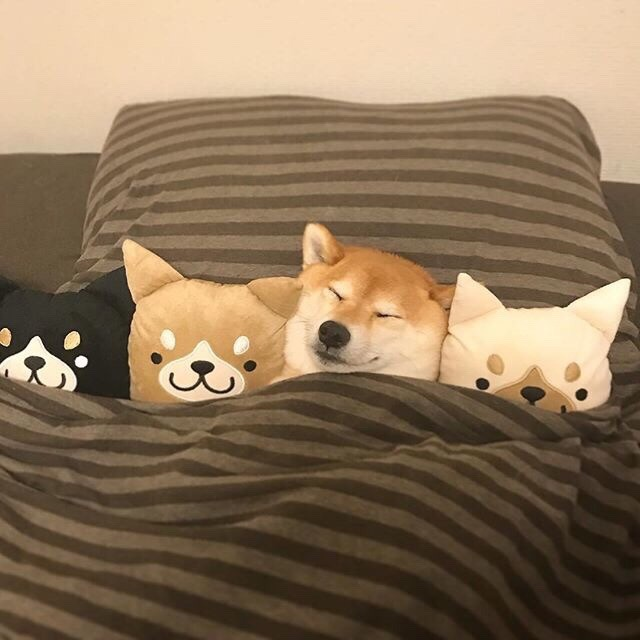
(52, 371)
(201, 375)
(168, 340)
(241, 345)
(81, 362)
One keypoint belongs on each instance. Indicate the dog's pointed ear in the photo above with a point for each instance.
(320, 246)
(603, 307)
(281, 295)
(146, 272)
(471, 300)
(6, 287)
(443, 294)
(112, 287)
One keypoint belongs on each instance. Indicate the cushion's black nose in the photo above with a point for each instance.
(34, 362)
(333, 334)
(202, 367)
(532, 394)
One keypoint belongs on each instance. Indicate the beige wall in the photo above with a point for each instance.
(66, 65)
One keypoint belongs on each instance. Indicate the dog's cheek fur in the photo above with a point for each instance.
(411, 350)
(299, 333)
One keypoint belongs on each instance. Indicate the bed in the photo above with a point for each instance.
(325, 506)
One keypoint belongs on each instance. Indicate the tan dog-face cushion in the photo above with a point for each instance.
(193, 340)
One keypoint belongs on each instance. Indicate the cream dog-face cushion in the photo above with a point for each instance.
(554, 358)
(194, 340)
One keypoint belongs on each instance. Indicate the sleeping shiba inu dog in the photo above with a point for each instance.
(363, 309)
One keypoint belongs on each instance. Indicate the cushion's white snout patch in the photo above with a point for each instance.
(201, 375)
(46, 369)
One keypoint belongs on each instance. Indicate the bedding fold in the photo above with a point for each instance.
(322, 507)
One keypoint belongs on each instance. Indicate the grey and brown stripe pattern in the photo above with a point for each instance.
(325, 507)
(334, 507)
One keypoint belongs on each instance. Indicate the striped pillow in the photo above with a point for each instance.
(506, 189)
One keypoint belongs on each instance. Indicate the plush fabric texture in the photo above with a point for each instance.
(194, 340)
(73, 341)
(554, 358)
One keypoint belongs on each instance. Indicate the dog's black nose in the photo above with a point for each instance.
(532, 394)
(202, 367)
(333, 334)
(34, 362)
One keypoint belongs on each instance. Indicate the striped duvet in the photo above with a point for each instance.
(330, 506)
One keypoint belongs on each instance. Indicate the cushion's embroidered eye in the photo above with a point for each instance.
(5, 337)
(156, 358)
(71, 340)
(81, 362)
(482, 384)
(250, 365)
(581, 394)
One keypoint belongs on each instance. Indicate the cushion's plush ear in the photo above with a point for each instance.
(320, 246)
(112, 287)
(603, 307)
(281, 295)
(146, 272)
(471, 300)
(6, 286)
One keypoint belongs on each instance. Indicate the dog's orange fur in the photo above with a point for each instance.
(378, 275)
(374, 281)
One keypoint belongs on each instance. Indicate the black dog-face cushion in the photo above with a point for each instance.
(74, 341)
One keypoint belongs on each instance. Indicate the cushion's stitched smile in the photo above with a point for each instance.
(202, 381)
(34, 378)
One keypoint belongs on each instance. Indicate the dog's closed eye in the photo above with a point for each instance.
(380, 314)
(336, 294)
